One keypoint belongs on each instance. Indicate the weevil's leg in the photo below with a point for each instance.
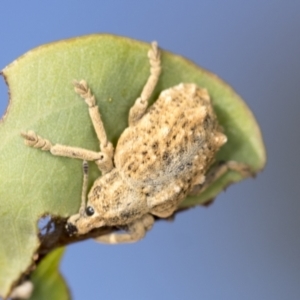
(136, 231)
(219, 170)
(102, 160)
(82, 89)
(163, 203)
(140, 105)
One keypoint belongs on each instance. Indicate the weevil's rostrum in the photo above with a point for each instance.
(163, 156)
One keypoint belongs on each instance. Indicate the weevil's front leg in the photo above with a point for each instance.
(102, 160)
(135, 232)
(217, 171)
(140, 105)
(82, 89)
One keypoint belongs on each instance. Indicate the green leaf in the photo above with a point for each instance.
(47, 281)
(33, 183)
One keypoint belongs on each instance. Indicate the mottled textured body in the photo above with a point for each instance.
(170, 148)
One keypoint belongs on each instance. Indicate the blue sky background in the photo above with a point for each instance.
(247, 244)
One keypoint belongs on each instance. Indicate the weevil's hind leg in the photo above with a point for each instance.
(135, 232)
(217, 171)
(140, 105)
(106, 147)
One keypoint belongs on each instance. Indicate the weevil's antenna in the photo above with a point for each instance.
(85, 168)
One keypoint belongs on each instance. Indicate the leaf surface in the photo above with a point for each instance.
(47, 281)
(33, 183)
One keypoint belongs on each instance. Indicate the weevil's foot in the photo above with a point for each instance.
(82, 89)
(154, 53)
(31, 139)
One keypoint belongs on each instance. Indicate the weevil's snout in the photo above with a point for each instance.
(71, 229)
(83, 222)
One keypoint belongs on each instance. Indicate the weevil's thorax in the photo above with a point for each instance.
(114, 202)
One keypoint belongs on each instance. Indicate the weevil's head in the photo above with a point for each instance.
(111, 202)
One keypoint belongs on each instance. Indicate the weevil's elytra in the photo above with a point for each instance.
(162, 156)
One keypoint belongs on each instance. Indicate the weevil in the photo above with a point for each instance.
(164, 154)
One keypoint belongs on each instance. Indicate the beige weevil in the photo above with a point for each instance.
(162, 156)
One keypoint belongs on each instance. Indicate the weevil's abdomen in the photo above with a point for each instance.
(176, 138)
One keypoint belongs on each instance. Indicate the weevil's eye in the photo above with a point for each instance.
(89, 211)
